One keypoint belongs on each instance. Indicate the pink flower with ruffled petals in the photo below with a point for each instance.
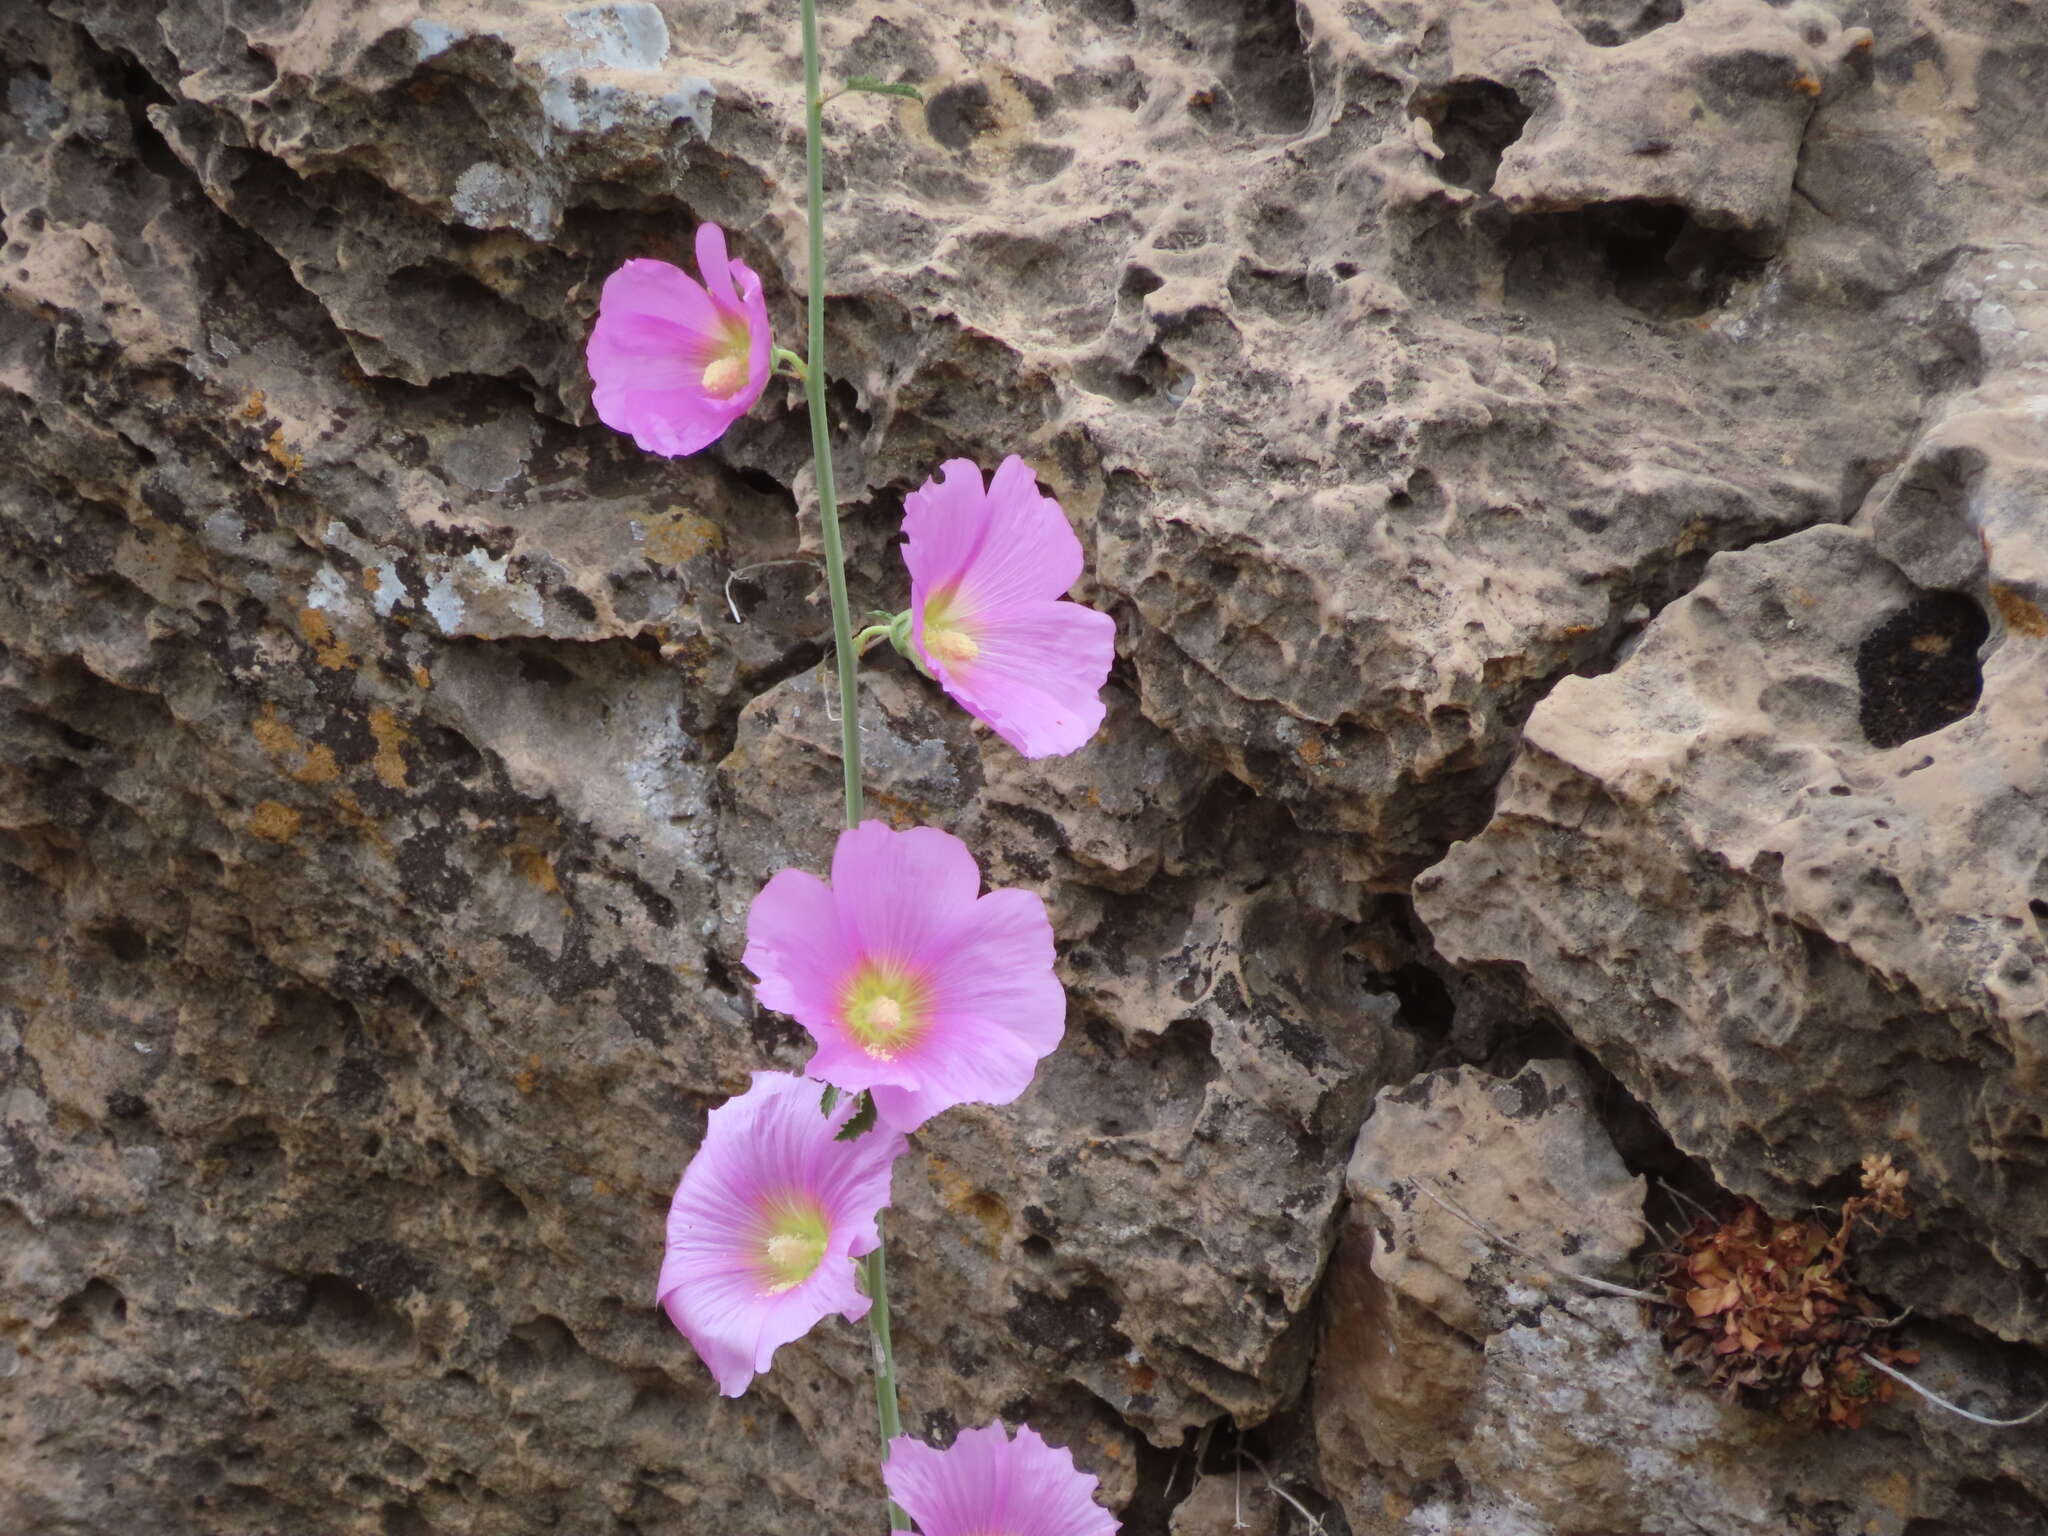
(916, 988)
(989, 571)
(766, 1224)
(675, 361)
(991, 1485)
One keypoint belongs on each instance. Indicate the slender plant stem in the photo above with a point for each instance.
(845, 657)
(821, 432)
(887, 1409)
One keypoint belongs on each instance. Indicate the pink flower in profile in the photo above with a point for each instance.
(766, 1223)
(915, 987)
(989, 569)
(675, 362)
(988, 1483)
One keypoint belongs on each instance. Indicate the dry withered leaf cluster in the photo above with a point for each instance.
(1762, 1309)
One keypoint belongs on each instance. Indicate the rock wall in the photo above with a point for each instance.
(1572, 480)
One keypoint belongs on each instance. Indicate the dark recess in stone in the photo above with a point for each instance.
(1918, 669)
(1654, 257)
(1610, 23)
(960, 114)
(1474, 123)
(1269, 77)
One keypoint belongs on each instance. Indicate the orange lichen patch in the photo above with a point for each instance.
(391, 738)
(290, 461)
(902, 814)
(984, 1209)
(535, 866)
(2021, 616)
(527, 1078)
(1806, 85)
(682, 537)
(274, 823)
(329, 649)
(1311, 751)
(421, 677)
(308, 764)
(319, 766)
(252, 408)
(273, 735)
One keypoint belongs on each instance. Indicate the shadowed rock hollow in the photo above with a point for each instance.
(1572, 481)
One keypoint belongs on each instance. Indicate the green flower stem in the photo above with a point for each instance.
(846, 658)
(821, 432)
(876, 1271)
(788, 362)
(867, 637)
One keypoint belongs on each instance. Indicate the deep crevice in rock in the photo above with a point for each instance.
(1653, 257)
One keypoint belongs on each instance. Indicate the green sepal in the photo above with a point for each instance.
(862, 1122)
(829, 1100)
(899, 637)
(873, 87)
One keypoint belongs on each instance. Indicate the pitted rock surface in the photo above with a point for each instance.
(389, 752)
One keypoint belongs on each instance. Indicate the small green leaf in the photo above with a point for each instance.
(862, 1122)
(874, 87)
(829, 1101)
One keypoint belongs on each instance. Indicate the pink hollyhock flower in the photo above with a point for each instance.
(988, 572)
(676, 361)
(766, 1223)
(988, 1482)
(915, 987)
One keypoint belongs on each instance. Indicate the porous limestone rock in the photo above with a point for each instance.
(388, 751)
(1451, 1169)
(1797, 837)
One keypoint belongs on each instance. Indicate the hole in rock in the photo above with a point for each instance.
(1918, 669)
(960, 114)
(125, 944)
(345, 1317)
(1654, 257)
(1474, 122)
(99, 1304)
(1269, 78)
(453, 750)
(1610, 23)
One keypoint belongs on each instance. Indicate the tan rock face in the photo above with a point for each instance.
(388, 752)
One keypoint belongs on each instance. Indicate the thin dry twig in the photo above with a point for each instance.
(1536, 1258)
(745, 571)
(1278, 1490)
(1941, 1402)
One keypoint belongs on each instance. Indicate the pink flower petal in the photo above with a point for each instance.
(795, 949)
(1038, 678)
(770, 1144)
(989, 565)
(997, 1011)
(976, 972)
(900, 893)
(658, 331)
(1008, 544)
(987, 1482)
(715, 266)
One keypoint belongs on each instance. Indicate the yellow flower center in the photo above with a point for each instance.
(946, 639)
(725, 376)
(793, 1239)
(884, 1008)
(952, 646)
